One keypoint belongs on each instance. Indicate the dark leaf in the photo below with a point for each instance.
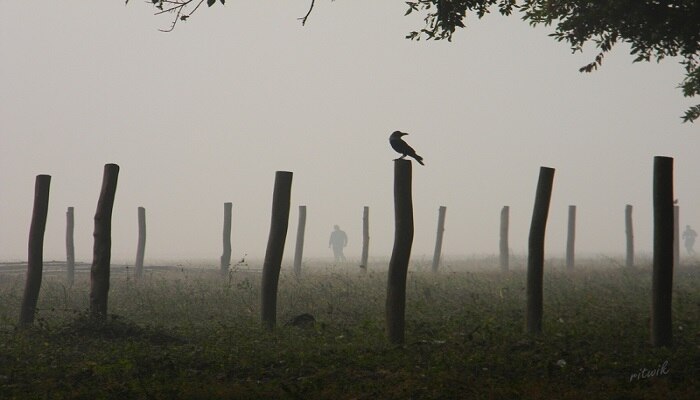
(210, 2)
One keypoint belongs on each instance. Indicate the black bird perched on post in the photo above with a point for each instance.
(402, 147)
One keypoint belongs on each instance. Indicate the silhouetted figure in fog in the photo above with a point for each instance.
(689, 236)
(338, 241)
(402, 147)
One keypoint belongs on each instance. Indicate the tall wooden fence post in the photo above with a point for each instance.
(102, 249)
(503, 242)
(299, 249)
(35, 260)
(629, 232)
(535, 258)
(401, 253)
(275, 247)
(365, 239)
(226, 255)
(676, 237)
(662, 275)
(571, 238)
(141, 246)
(70, 246)
(438, 238)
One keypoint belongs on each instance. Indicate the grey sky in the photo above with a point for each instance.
(208, 113)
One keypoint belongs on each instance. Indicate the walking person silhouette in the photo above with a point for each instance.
(689, 236)
(338, 241)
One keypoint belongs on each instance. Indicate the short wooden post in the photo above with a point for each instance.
(662, 275)
(365, 238)
(438, 238)
(275, 247)
(70, 246)
(102, 249)
(299, 249)
(571, 238)
(535, 259)
(35, 260)
(629, 232)
(141, 246)
(226, 255)
(503, 242)
(676, 237)
(401, 253)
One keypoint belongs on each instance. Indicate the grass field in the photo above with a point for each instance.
(191, 334)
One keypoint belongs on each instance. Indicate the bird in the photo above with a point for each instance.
(402, 147)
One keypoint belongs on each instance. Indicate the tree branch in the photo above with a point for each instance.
(305, 17)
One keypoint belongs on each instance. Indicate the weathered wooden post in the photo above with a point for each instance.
(35, 260)
(141, 246)
(401, 253)
(365, 239)
(630, 236)
(226, 255)
(535, 258)
(438, 238)
(571, 238)
(70, 246)
(275, 247)
(676, 236)
(503, 242)
(662, 275)
(102, 249)
(299, 249)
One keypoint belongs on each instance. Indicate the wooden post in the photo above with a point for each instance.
(226, 255)
(535, 259)
(102, 249)
(365, 239)
(630, 236)
(438, 239)
(35, 260)
(299, 249)
(275, 247)
(503, 243)
(571, 238)
(141, 247)
(70, 247)
(662, 275)
(401, 253)
(676, 237)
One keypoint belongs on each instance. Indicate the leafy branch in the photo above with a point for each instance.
(654, 29)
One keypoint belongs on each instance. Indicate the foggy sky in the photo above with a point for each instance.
(207, 114)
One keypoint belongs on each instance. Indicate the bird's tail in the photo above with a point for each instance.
(419, 159)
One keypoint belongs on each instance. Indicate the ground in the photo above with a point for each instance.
(189, 334)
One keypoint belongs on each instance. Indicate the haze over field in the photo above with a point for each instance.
(206, 115)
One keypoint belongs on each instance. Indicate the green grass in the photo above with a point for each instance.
(188, 334)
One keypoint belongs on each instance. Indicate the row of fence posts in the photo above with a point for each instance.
(571, 237)
(664, 259)
(299, 248)
(504, 248)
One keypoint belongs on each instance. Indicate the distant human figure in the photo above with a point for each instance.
(402, 147)
(338, 241)
(689, 236)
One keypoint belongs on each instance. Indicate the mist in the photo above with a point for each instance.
(206, 115)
